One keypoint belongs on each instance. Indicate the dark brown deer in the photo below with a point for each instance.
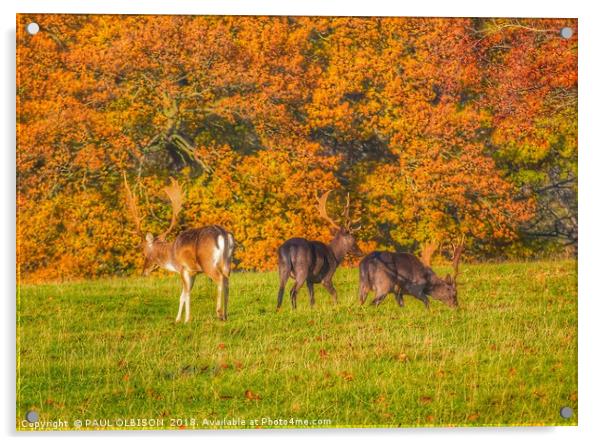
(403, 273)
(208, 250)
(314, 262)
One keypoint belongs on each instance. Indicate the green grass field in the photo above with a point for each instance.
(109, 349)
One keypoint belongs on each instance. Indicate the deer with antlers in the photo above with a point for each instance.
(314, 262)
(207, 249)
(403, 273)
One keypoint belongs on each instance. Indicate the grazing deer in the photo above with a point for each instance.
(403, 273)
(208, 250)
(313, 261)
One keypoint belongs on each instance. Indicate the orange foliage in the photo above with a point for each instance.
(255, 115)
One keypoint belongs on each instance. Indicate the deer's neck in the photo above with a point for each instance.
(163, 252)
(338, 251)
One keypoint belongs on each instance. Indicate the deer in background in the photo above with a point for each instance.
(313, 261)
(207, 249)
(403, 273)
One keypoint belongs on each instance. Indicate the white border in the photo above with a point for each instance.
(310, 7)
(590, 149)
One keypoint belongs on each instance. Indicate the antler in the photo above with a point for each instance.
(346, 211)
(322, 209)
(457, 252)
(131, 204)
(349, 223)
(174, 192)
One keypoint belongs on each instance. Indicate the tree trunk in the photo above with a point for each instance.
(428, 249)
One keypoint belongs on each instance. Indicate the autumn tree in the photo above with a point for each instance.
(411, 85)
(437, 127)
(530, 91)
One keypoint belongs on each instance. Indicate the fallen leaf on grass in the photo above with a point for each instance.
(347, 376)
(403, 357)
(539, 394)
(153, 394)
(381, 400)
(54, 403)
(250, 395)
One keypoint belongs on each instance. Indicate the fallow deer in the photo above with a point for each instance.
(314, 262)
(403, 273)
(207, 249)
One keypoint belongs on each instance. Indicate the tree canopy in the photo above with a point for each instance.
(438, 128)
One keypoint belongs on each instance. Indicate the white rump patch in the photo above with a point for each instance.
(230, 244)
(218, 253)
(169, 266)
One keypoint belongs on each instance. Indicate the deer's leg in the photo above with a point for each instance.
(310, 288)
(299, 280)
(219, 306)
(294, 291)
(378, 299)
(364, 290)
(188, 279)
(284, 274)
(182, 301)
(399, 298)
(423, 297)
(280, 295)
(419, 292)
(225, 289)
(221, 281)
(380, 293)
(330, 288)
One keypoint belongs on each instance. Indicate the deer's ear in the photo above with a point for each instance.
(448, 279)
(334, 231)
(150, 238)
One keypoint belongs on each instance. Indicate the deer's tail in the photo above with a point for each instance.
(225, 244)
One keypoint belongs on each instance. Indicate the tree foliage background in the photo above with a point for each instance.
(437, 128)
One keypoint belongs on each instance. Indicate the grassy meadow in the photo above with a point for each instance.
(109, 349)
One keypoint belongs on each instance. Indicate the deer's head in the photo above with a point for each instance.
(446, 290)
(343, 239)
(155, 249)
